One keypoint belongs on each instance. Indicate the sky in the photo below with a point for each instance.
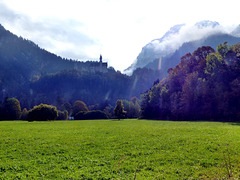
(117, 29)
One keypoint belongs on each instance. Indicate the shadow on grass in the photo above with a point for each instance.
(235, 123)
(117, 120)
(232, 122)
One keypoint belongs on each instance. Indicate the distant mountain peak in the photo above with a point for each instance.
(173, 30)
(206, 23)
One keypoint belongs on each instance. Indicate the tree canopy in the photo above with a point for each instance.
(79, 106)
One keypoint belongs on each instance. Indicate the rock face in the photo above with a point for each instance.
(181, 39)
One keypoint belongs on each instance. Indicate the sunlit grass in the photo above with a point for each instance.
(109, 149)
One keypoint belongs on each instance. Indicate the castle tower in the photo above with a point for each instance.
(102, 65)
(100, 59)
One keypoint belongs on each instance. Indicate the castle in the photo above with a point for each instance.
(92, 66)
(99, 66)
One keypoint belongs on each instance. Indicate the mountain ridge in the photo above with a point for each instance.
(176, 37)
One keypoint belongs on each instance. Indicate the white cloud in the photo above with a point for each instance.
(186, 34)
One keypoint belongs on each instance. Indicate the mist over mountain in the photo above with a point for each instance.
(181, 39)
(236, 31)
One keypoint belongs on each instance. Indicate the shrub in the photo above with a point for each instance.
(24, 114)
(80, 115)
(42, 112)
(62, 115)
(11, 109)
(1, 112)
(96, 114)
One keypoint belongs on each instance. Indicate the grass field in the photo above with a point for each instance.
(126, 149)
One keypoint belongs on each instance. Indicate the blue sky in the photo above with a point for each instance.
(117, 29)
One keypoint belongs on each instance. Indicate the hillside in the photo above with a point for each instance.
(28, 56)
(21, 60)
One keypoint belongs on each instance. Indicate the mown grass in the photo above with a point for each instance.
(126, 149)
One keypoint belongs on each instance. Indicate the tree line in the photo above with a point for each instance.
(10, 109)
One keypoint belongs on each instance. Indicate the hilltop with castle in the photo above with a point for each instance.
(99, 66)
(92, 66)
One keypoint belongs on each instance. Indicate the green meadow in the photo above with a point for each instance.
(125, 149)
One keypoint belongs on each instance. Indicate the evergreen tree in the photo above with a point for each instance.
(119, 110)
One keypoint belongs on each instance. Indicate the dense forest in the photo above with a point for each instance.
(205, 85)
